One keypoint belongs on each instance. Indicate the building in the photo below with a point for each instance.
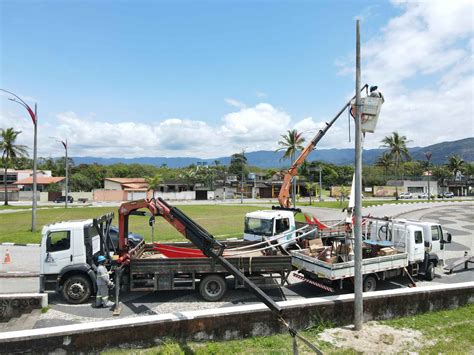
(14, 187)
(42, 183)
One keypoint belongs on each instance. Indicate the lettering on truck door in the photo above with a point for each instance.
(59, 251)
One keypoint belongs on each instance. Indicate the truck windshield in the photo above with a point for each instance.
(259, 226)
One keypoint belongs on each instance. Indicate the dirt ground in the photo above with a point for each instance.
(375, 338)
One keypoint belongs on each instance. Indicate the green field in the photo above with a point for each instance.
(221, 221)
(443, 332)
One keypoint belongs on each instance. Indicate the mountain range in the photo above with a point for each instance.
(269, 159)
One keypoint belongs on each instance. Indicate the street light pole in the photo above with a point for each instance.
(64, 143)
(34, 118)
(320, 186)
(428, 157)
(35, 186)
(358, 296)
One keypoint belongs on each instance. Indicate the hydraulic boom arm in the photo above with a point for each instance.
(193, 232)
(284, 195)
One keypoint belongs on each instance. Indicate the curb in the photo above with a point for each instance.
(18, 274)
(7, 244)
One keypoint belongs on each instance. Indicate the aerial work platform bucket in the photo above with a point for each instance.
(370, 112)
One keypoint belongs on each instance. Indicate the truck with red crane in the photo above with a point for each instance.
(69, 251)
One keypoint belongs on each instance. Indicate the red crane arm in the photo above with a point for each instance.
(284, 195)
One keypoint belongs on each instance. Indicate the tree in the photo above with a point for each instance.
(455, 164)
(10, 152)
(385, 162)
(154, 182)
(292, 142)
(397, 151)
(238, 165)
(312, 186)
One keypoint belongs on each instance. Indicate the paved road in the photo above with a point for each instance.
(457, 218)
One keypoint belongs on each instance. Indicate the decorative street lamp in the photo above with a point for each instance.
(34, 118)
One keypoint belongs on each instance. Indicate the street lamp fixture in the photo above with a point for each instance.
(34, 118)
(64, 143)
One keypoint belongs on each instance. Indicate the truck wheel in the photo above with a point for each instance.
(212, 287)
(430, 272)
(370, 283)
(76, 289)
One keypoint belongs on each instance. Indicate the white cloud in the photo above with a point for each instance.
(260, 94)
(235, 103)
(251, 128)
(423, 63)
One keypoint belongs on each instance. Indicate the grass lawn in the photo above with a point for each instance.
(446, 331)
(365, 203)
(221, 221)
(12, 207)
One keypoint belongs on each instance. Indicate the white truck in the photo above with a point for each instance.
(391, 248)
(271, 225)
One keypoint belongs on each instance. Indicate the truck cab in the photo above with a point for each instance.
(270, 225)
(433, 235)
(67, 259)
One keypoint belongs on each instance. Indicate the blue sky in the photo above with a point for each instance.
(189, 78)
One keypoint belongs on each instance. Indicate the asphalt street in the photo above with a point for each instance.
(456, 218)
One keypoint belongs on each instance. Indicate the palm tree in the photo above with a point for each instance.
(10, 152)
(397, 151)
(292, 142)
(455, 164)
(385, 162)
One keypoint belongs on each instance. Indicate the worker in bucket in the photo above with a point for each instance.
(103, 284)
(374, 92)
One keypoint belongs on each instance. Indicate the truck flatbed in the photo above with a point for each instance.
(149, 271)
(301, 260)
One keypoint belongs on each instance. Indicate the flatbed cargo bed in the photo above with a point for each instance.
(301, 260)
(150, 272)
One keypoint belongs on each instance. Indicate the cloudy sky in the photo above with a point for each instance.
(208, 79)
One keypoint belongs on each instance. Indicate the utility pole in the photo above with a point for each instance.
(358, 296)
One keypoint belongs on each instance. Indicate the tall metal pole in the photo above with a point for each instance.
(428, 157)
(358, 297)
(67, 175)
(320, 186)
(35, 148)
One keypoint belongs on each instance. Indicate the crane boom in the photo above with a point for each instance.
(284, 195)
(191, 230)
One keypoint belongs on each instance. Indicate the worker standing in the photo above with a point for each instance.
(374, 92)
(103, 284)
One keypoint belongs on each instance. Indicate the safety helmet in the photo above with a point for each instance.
(101, 259)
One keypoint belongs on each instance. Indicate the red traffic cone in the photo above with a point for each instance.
(7, 259)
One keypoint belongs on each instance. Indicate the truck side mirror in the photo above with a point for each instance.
(448, 237)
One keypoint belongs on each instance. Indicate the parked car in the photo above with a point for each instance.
(446, 194)
(60, 199)
(424, 195)
(405, 196)
(133, 238)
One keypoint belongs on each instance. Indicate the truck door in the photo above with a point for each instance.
(58, 251)
(418, 246)
(436, 236)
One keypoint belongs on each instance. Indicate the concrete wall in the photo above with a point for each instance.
(109, 195)
(12, 195)
(183, 195)
(14, 305)
(235, 322)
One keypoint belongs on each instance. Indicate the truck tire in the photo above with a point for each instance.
(212, 288)
(430, 272)
(77, 289)
(370, 283)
